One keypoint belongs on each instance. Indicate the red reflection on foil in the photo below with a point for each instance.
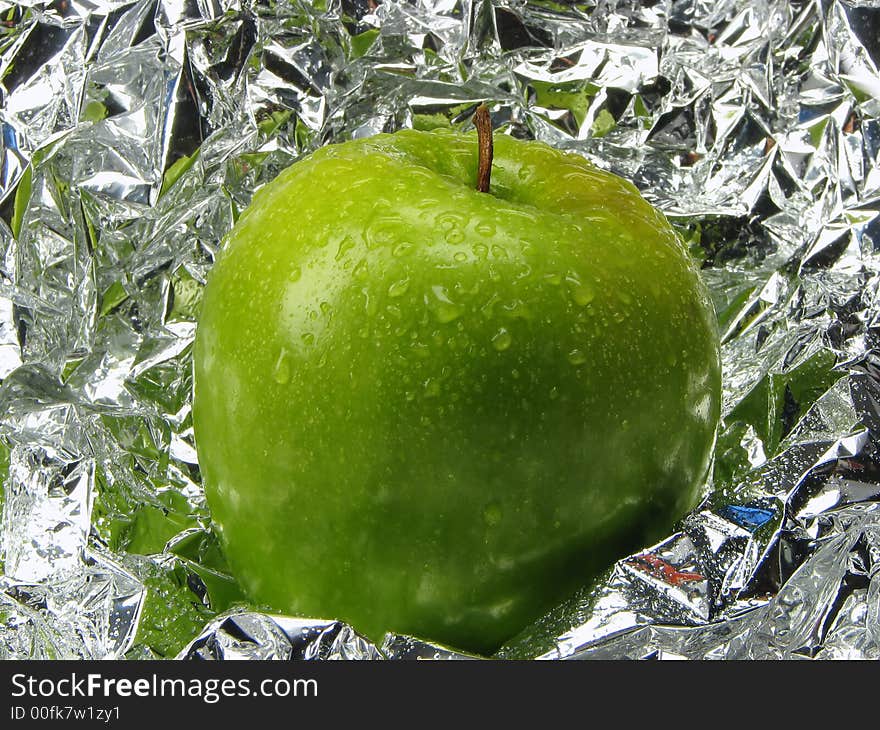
(659, 568)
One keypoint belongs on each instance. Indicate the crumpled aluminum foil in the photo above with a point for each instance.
(135, 131)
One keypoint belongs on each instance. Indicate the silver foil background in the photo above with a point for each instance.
(134, 132)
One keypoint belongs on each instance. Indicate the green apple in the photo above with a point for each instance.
(426, 409)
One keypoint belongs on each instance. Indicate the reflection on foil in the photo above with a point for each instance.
(259, 636)
(134, 132)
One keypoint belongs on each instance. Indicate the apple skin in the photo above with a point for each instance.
(424, 409)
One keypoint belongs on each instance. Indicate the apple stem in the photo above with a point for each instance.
(483, 123)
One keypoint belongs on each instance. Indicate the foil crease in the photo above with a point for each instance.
(135, 131)
(248, 635)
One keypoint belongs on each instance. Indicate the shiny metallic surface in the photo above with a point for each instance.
(135, 131)
(261, 636)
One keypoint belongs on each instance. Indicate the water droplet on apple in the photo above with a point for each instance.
(492, 514)
(398, 288)
(360, 271)
(553, 279)
(281, 372)
(554, 393)
(308, 338)
(577, 357)
(481, 251)
(524, 272)
(371, 304)
(444, 309)
(449, 221)
(447, 313)
(401, 249)
(295, 274)
(345, 245)
(517, 309)
(584, 294)
(460, 256)
(383, 232)
(485, 228)
(502, 340)
(454, 236)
